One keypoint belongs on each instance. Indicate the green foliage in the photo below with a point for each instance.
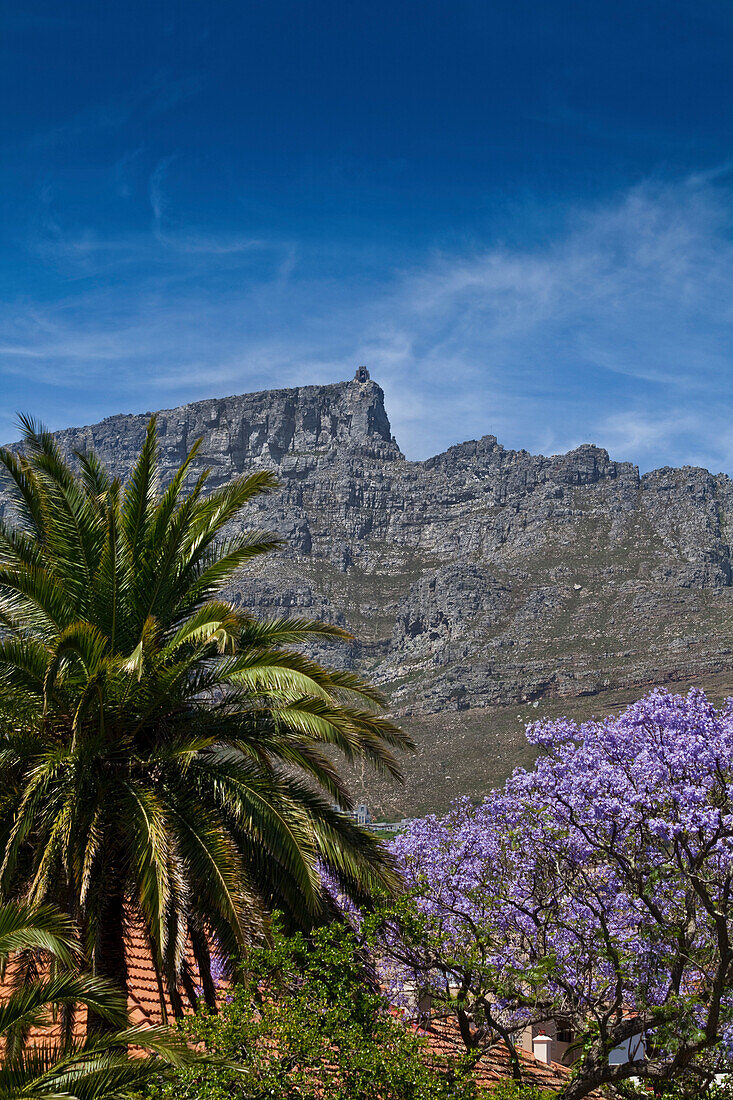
(66, 1065)
(692, 1087)
(164, 757)
(307, 1022)
(510, 1090)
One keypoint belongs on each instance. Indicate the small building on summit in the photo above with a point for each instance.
(362, 375)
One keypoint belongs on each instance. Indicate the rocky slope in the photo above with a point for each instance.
(477, 583)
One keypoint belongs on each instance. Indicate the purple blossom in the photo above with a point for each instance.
(596, 888)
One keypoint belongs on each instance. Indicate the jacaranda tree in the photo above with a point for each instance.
(595, 890)
(165, 759)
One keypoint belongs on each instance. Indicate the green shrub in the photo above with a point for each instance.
(307, 1023)
(510, 1090)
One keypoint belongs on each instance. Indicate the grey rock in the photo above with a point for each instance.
(480, 577)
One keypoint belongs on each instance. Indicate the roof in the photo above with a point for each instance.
(143, 1001)
(494, 1066)
(442, 1036)
(144, 996)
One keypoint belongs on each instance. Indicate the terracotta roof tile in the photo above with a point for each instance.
(143, 1000)
(494, 1066)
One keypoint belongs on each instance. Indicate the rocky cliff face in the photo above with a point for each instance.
(482, 578)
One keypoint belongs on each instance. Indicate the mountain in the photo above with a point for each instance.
(485, 587)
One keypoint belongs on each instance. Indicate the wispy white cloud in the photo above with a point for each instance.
(631, 306)
(615, 329)
(695, 438)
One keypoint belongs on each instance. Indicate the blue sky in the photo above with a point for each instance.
(517, 214)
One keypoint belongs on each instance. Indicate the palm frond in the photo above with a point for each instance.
(95, 478)
(24, 927)
(139, 500)
(30, 1005)
(27, 496)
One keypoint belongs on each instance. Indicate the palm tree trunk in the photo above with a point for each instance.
(111, 961)
(203, 961)
(189, 986)
(174, 994)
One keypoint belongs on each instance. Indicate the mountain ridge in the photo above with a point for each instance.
(477, 582)
(464, 447)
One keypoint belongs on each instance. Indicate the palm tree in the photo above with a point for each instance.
(165, 759)
(57, 1061)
